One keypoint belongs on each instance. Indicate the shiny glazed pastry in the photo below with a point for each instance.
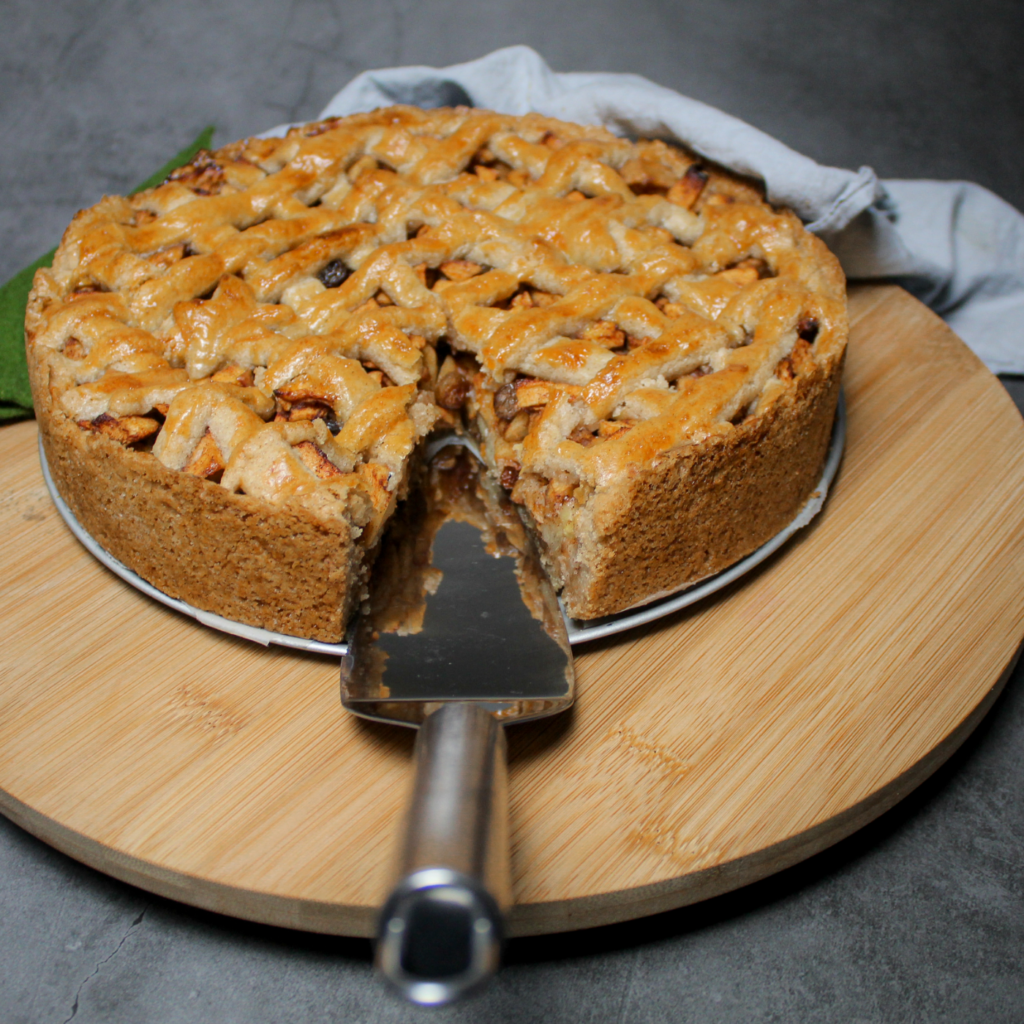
(233, 372)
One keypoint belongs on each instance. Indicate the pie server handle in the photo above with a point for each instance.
(440, 930)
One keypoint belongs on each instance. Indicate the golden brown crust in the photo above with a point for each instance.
(278, 568)
(233, 371)
(700, 509)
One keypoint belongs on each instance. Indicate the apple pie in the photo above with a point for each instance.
(235, 372)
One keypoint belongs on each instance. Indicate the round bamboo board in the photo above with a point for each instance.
(707, 750)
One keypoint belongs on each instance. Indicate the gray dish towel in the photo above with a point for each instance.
(955, 245)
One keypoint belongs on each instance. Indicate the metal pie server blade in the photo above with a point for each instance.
(461, 636)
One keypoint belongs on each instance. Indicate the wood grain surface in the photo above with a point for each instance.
(705, 751)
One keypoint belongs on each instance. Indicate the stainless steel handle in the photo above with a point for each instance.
(440, 930)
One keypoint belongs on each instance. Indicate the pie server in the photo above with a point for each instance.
(491, 649)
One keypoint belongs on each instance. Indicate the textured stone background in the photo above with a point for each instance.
(919, 917)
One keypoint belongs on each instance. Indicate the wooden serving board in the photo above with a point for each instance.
(705, 751)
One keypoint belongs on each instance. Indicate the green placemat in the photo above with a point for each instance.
(15, 396)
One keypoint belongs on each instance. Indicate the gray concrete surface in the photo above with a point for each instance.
(919, 917)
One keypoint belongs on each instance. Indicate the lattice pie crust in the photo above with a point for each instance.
(234, 372)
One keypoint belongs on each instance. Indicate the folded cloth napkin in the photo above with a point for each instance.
(955, 245)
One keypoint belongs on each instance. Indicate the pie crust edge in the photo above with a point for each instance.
(733, 494)
(230, 554)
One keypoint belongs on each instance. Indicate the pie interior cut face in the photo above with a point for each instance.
(235, 372)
